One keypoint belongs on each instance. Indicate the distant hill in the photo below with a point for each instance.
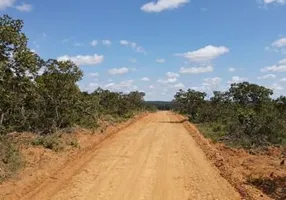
(160, 105)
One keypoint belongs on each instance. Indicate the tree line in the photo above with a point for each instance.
(43, 96)
(245, 115)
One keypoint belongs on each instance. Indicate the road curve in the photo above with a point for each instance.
(154, 158)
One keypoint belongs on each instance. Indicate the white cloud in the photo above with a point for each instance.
(106, 42)
(276, 87)
(280, 67)
(145, 79)
(124, 42)
(171, 78)
(6, 4)
(93, 43)
(282, 80)
(132, 45)
(280, 43)
(231, 69)
(160, 60)
(83, 59)
(237, 79)
(167, 81)
(118, 71)
(274, 68)
(205, 54)
(282, 62)
(123, 86)
(172, 75)
(151, 86)
(211, 81)
(196, 70)
(161, 5)
(179, 85)
(93, 85)
(268, 76)
(275, 1)
(94, 74)
(24, 7)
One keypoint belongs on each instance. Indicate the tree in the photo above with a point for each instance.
(189, 102)
(249, 94)
(59, 94)
(18, 68)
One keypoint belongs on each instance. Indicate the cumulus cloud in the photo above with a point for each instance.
(205, 54)
(276, 87)
(93, 43)
(268, 76)
(172, 75)
(118, 71)
(280, 67)
(132, 45)
(83, 59)
(162, 5)
(123, 86)
(160, 60)
(151, 86)
(106, 42)
(231, 69)
(93, 74)
(237, 79)
(24, 7)
(211, 81)
(280, 42)
(275, 1)
(145, 79)
(179, 85)
(196, 70)
(6, 4)
(167, 81)
(282, 62)
(171, 78)
(274, 68)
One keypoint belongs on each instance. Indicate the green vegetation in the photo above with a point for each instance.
(244, 116)
(160, 105)
(10, 159)
(42, 96)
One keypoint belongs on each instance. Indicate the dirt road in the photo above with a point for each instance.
(155, 158)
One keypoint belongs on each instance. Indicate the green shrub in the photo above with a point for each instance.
(10, 158)
(52, 142)
(243, 116)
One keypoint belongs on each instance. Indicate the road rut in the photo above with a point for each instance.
(154, 158)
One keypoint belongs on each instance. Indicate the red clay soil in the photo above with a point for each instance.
(42, 164)
(256, 175)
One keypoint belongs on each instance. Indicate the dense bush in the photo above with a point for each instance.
(10, 159)
(245, 115)
(42, 96)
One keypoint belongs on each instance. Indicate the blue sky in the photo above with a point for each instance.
(161, 46)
